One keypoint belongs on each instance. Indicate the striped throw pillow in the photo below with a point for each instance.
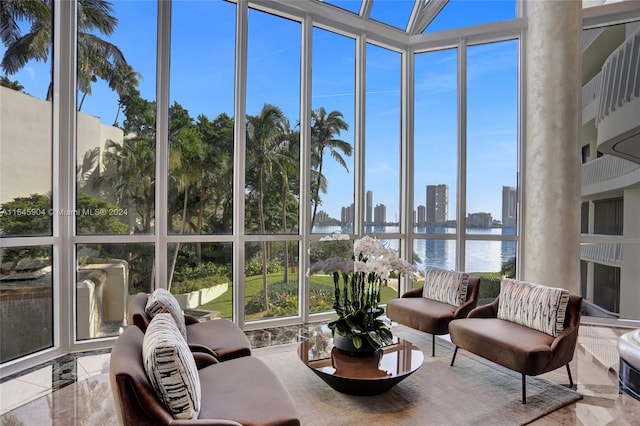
(171, 368)
(446, 286)
(162, 301)
(533, 305)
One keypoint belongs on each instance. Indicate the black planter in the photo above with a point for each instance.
(346, 344)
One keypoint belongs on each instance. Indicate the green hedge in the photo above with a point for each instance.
(283, 299)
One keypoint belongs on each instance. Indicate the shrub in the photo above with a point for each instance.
(283, 299)
(255, 268)
(204, 275)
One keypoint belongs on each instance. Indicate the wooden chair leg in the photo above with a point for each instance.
(524, 388)
(455, 352)
(433, 345)
(570, 377)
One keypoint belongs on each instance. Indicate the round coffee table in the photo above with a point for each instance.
(360, 374)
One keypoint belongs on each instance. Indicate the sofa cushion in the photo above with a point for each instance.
(446, 286)
(162, 301)
(171, 368)
(532, 305)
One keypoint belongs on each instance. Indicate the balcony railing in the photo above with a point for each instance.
(591, 90)
(604, 253)
(620, 77)
(606, 168)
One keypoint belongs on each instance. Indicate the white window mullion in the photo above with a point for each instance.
(239, 137)
(162, 144)
(462, 156)
(305, 164)
(64, 136)
(359, 135)
(407, 160)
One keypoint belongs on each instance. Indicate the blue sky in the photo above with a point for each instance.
(202, 70)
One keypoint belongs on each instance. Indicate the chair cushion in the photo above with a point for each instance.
(162, 301)
(446, 286)
(171, 368)
(535, 306)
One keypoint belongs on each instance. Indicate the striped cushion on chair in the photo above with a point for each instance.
(446, 286)
(171, 368)
(162, 301)
(535, 306)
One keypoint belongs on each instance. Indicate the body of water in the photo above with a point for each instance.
(481, 256)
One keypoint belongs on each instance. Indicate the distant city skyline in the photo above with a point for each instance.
(435, 213)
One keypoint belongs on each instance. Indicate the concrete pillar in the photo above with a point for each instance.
(552, 150)
(630, 270)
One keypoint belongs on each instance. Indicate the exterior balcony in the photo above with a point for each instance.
(608, 174)
(619, 102)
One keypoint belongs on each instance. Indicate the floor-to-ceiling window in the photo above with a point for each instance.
(435, 173)
(116, 161)
(27, 307)
(272, 167)
(200, 159)
(491, 188)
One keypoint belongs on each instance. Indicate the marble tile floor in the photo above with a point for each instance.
(74, 389)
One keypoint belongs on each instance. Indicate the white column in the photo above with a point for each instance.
(552, 149)
(630, 270)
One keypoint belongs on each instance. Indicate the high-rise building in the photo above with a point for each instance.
(479, 220)
(509, 205)
(421, 215)
(368, 217)
(346, 215)
(437, 209)
(380, 214)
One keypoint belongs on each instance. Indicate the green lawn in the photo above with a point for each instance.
(253, 285)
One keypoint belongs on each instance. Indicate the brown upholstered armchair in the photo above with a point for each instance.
(428, 315)
(242, 391)
(219, 337)
(514, 346)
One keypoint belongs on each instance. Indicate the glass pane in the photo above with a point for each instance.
(26, 93)
(271, 280)
(273, 108)
(492, 136)
(107, 275)
(26, 292)
(200, 117)
(116, 117)
(382, 140)
(463, 13)
(491, 261)
(321, 285)
(436, 253)
(332, 118)
(436, 142)
(201, 278)
(395, 13)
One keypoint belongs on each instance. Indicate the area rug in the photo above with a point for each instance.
(473, 391)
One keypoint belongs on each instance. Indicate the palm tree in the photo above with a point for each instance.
(264, 133)
(323, 129)
(97, 58)
(129, 175)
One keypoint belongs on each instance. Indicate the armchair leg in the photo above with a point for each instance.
(524, 388)
(570, 378)
(433, 345)
(455, 352)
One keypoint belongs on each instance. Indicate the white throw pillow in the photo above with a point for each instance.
(446, 286)
(533, 305)
(162, 301)
(171, 368)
